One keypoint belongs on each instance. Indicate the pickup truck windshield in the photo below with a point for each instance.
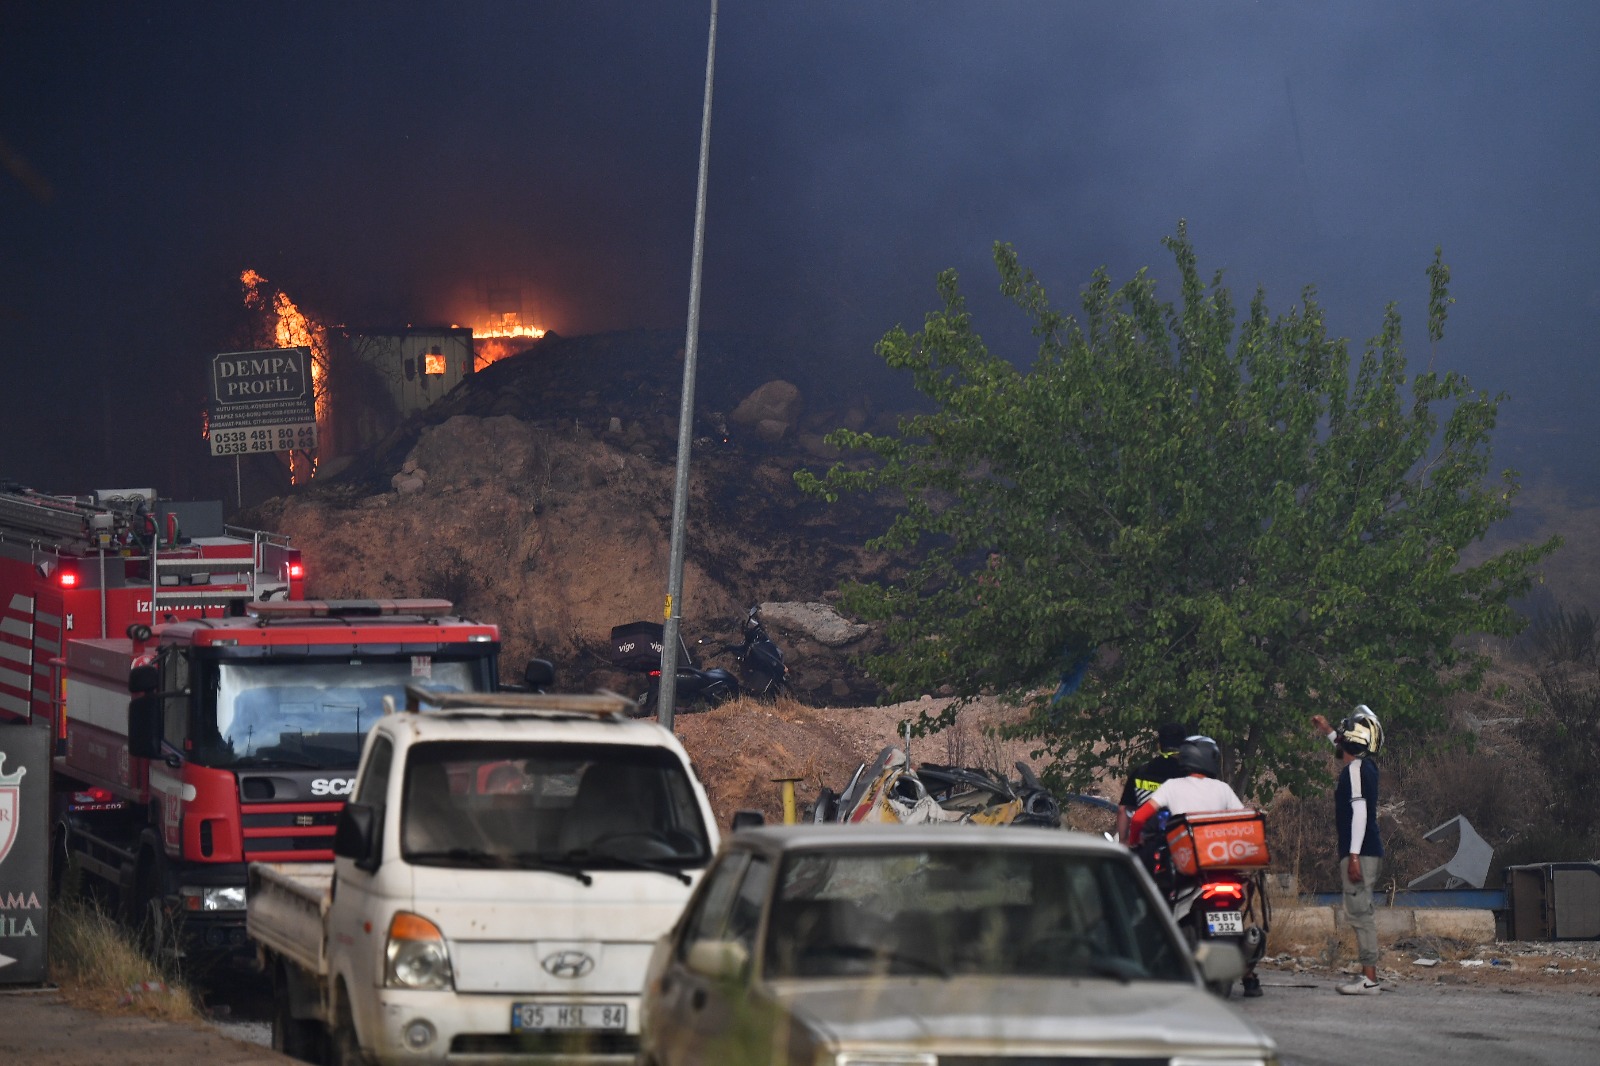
(542, 805)
(1017, 912)
(311, 714)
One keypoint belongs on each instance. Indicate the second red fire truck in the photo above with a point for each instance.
(250, 705)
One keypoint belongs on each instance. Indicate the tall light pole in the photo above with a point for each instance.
(667, 696)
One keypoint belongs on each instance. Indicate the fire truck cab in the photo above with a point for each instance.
(240, 744)
(249, 704)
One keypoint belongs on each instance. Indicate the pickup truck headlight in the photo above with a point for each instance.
(416, 955)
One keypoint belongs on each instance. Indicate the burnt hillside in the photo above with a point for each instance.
(538, 495)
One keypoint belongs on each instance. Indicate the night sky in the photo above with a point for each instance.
(386, 163)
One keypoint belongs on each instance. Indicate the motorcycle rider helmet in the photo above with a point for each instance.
(1361, 733)
(1200, 755)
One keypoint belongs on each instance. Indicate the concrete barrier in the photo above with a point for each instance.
(1458, 923)
(1296, 930)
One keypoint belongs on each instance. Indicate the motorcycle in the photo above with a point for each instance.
(1212, 867)
(637, 647)
(760, 658)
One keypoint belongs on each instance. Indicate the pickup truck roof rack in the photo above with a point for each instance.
(602, 704)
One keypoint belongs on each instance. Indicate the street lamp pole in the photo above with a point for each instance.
(666, 696)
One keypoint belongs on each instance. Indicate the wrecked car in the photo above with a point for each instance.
(889, 789)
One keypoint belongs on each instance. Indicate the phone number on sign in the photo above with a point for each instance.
(263, 439)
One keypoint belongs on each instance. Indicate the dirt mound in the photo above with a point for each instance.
(743, 749)
(529, 501)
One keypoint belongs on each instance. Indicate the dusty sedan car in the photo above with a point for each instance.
(937, 946)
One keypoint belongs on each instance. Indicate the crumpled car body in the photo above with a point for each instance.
(889, 790)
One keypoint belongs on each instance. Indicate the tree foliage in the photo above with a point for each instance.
(1206, 519)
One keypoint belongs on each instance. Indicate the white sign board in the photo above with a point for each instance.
(262, 401)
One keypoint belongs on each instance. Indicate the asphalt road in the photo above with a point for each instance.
(38, 1029)
(1416, 1023)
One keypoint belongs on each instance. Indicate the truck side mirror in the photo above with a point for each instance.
(142, 679)
(746, 819)
(355, 836)
(144, 725)
(539, 675)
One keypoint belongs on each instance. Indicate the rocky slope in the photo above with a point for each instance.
(538, 495)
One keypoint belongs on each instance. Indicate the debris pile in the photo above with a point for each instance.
(889, 790)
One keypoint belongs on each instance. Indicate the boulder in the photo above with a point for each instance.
(776, 401)
(818, 621)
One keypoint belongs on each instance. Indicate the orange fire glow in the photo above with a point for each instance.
(292, 329)
(509, 324)
(499, 336)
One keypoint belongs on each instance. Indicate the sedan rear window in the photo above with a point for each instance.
(1016, 912)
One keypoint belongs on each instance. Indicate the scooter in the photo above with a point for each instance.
(1212, 869)
(637, 646)
(760, 658)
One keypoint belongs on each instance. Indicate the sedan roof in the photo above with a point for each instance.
(878, 836)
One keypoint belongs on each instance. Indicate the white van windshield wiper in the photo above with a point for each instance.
(501, 860)
(589, 858)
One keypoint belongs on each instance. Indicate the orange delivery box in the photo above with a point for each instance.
(1217, 840)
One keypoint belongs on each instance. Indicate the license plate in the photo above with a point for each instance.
(1224, 922)
(563, 1017)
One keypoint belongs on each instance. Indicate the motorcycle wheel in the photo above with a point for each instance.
(1191, 935)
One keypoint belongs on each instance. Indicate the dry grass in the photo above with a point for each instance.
(98, 965)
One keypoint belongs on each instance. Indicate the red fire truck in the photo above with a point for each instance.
(241, 741)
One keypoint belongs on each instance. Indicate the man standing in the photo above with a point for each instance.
(1147, 778)
(1355, 801)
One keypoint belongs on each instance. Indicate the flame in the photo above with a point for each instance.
(509, 324)
(498, 336)
(291, 328)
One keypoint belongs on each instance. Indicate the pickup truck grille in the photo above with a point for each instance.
(545, 1044)
(1044, 1060)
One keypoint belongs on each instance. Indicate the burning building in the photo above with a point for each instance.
(366, 381)
(379, 376)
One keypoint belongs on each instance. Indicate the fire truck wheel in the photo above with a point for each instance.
(149, 910)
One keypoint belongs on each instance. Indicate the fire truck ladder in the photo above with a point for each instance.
(53, 522)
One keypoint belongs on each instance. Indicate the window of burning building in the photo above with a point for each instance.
(433, 361)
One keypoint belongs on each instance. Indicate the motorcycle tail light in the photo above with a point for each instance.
(1222, 888)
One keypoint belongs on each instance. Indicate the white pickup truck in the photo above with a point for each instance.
(502, 872)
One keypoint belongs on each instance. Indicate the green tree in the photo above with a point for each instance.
(1208, 521)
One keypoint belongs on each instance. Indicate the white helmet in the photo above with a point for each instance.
(1362, 729)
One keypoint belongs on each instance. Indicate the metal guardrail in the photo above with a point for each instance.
(1471, 898)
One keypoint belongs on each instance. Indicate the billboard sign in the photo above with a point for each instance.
(24, 853)
(262, 401)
